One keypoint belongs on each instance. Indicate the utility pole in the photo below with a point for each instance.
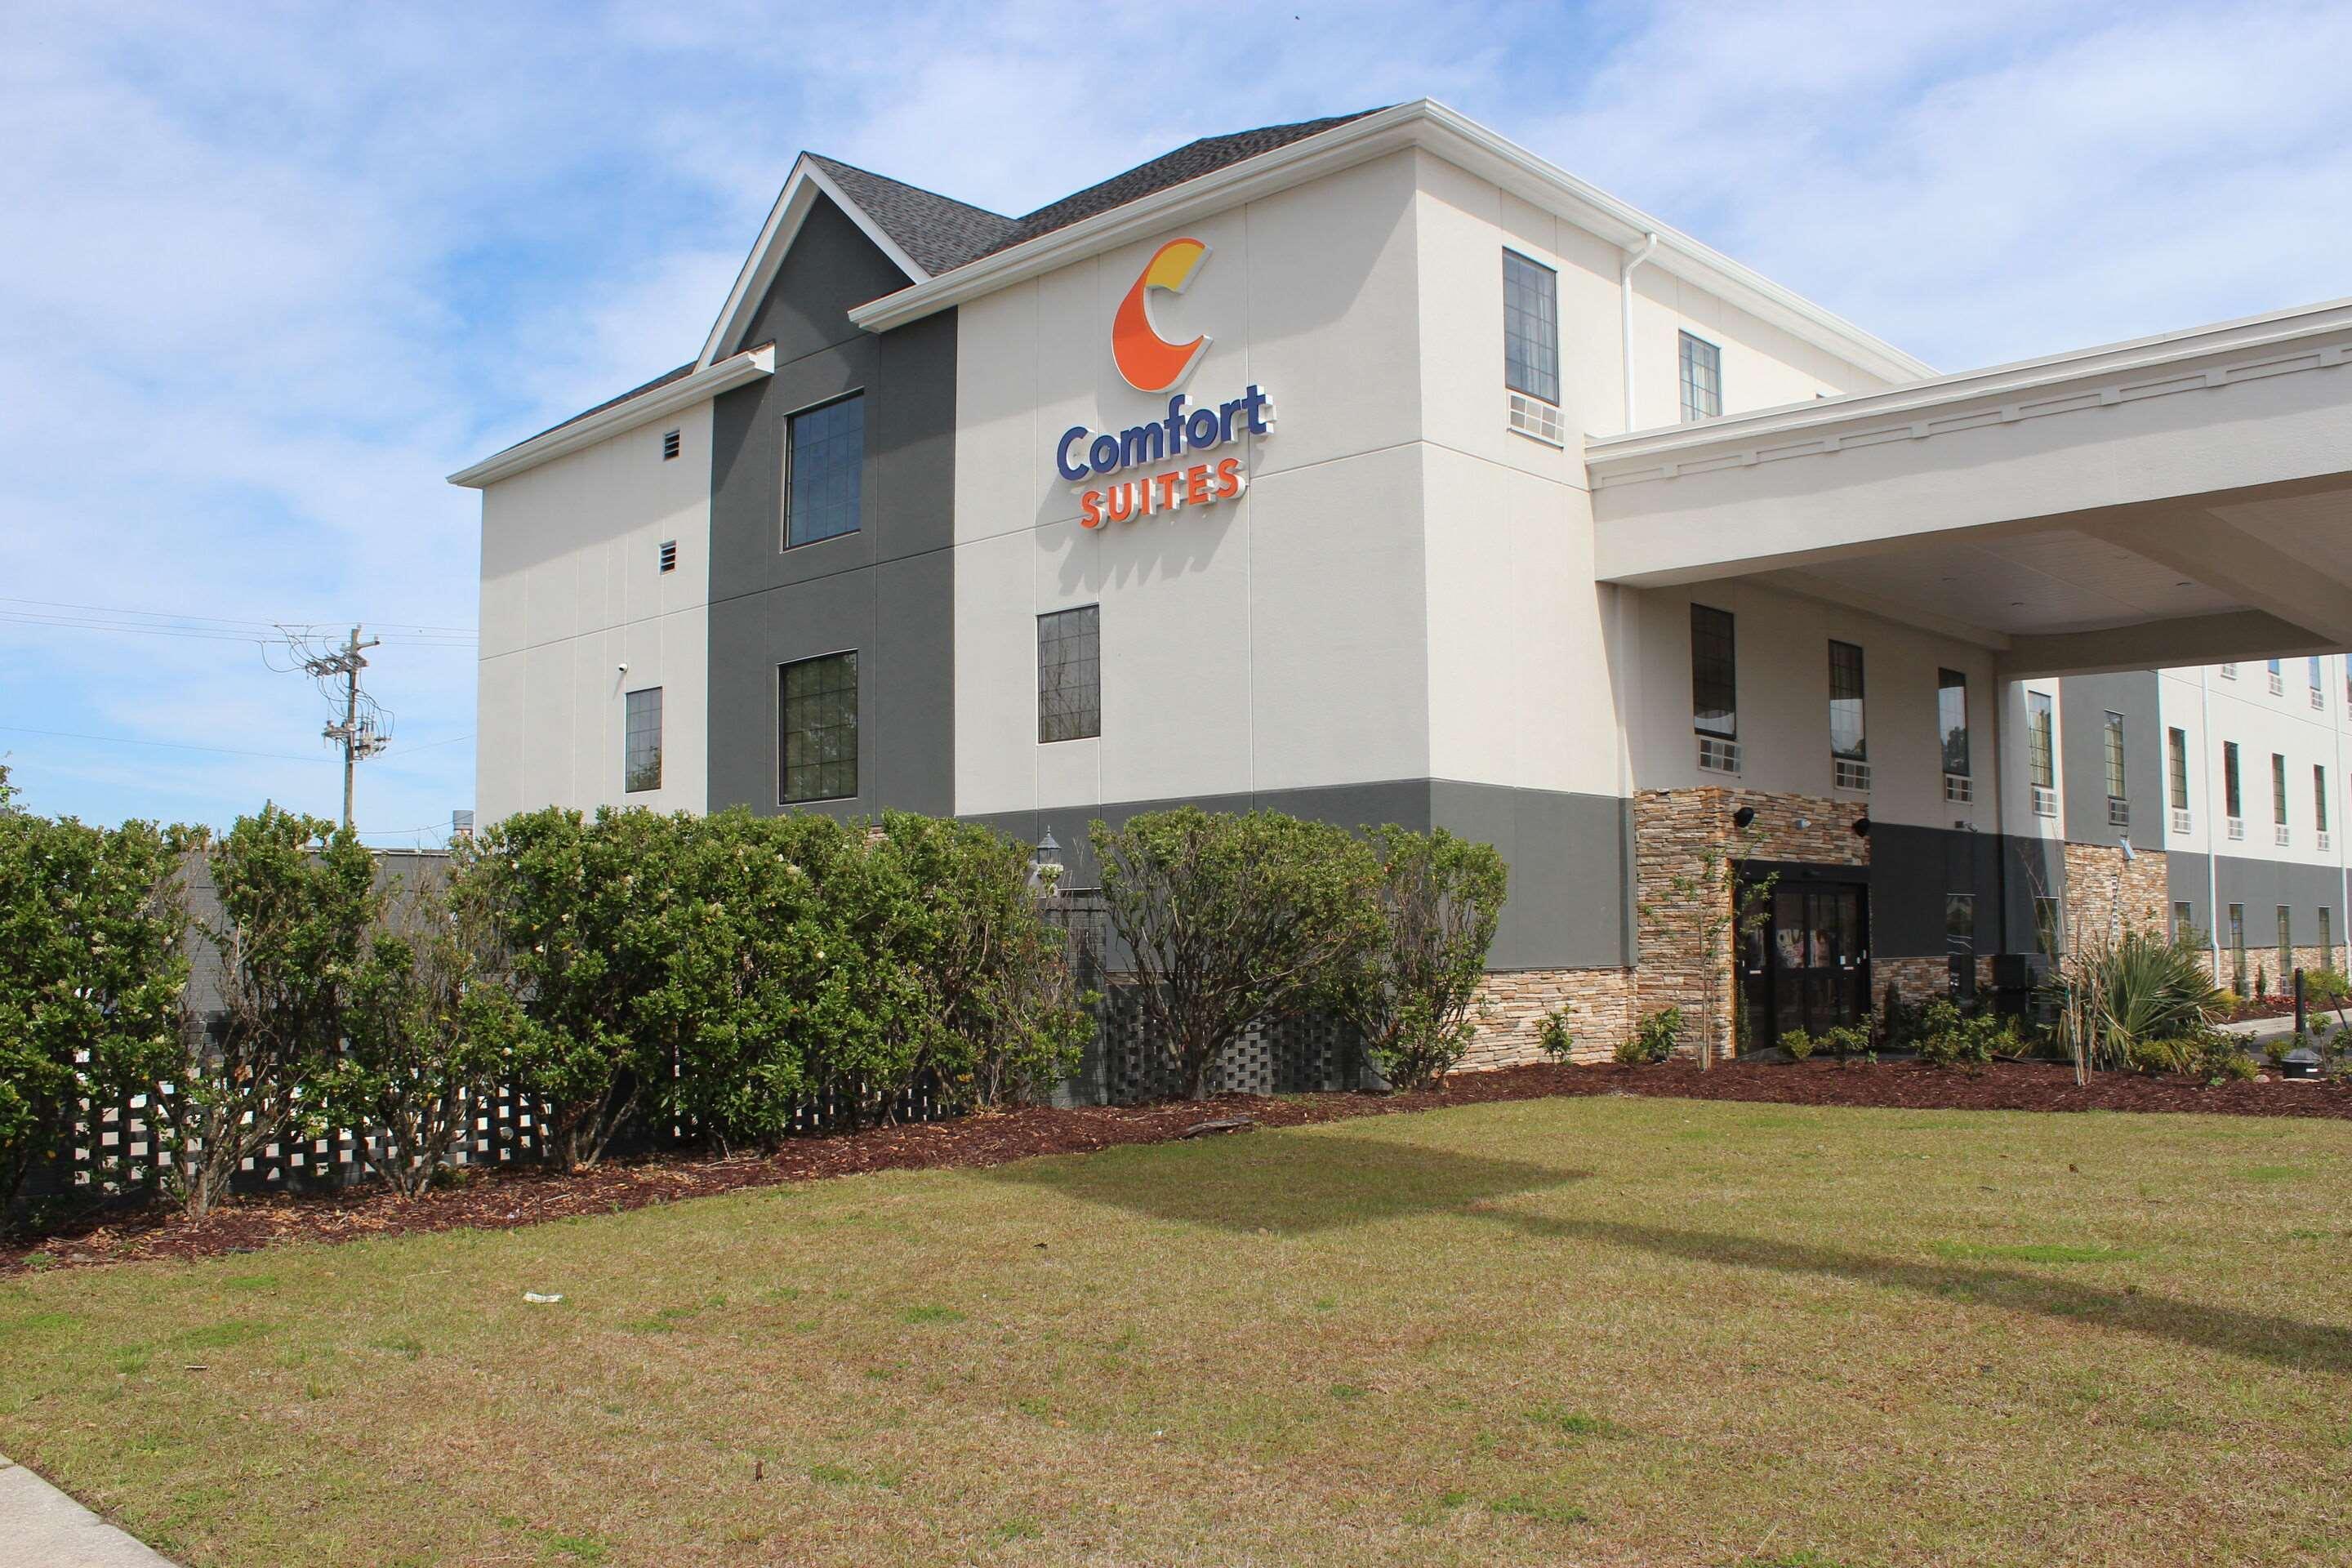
(359, 738)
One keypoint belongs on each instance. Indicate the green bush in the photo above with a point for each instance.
(2326, 987)
(1653, 1038)
(1232, 918)
(1797, 1045)
(1409, 990)
(1947, 1036)
(2212, 1055)
(91, 968)
(1554, 1037)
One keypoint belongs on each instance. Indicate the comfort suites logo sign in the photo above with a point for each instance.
(1098, 464)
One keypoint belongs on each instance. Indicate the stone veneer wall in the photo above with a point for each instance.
(1599, 1004)
(2265, 959)
(1673, 830)
(1915, 980)
(2098, 878)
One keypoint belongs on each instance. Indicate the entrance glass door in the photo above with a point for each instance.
(1815, 974)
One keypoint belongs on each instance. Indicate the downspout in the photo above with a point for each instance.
(2211, 749)
(1631, 259)
(2335, 703)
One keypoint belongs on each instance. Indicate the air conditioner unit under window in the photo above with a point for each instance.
(1534, 416)
(1847, 774)
(2118, 812)
(2183, 821)
(2237, 828)
(2045, 801)
(1718, 755)
(2282, 835)
(1958, 788)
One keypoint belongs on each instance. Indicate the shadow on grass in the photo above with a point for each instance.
(1289, 1185)
(2261, 1336)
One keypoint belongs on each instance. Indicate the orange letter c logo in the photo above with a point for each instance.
(1150, 362)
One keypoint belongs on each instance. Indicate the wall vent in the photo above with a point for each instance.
(1847, 774)
(1718, 755)
(669, 445)
(669, 555)
(2045, 801)
(1534, 416)
(1959, 789)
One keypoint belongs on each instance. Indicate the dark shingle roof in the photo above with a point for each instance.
(938, 231)
(664, 379)
(942, 234)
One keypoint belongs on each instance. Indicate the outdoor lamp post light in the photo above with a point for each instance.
(1045, 864)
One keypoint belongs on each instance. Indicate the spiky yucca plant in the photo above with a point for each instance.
(2141, 999)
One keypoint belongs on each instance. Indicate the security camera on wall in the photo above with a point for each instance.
(623, 666)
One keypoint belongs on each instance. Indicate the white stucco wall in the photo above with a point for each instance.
(2242, 708)
(1781, 651)
(1269, 642)
(572, 588)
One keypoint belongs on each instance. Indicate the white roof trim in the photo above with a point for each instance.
(801, 190)
(656, 403)
(2023, 387)
(1430, 125)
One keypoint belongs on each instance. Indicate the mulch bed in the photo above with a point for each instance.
(505, 1199)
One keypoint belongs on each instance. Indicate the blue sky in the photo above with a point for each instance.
(270, 272)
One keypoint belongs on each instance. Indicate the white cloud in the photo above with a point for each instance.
(268, 274)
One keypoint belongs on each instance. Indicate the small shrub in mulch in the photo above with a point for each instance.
(509, 1198)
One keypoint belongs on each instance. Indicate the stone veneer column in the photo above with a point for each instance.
(1673, 830)
(2100, 883)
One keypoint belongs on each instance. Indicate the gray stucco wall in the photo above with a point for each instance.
(1569, 854)
(887, 590)
(2262, 886)
(2084, 703)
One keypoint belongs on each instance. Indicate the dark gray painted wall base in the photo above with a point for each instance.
(1571, 867)
(2262, 886)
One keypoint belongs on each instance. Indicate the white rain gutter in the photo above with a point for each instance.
(1631, 259)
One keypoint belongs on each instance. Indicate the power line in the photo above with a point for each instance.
(403, 626)
(172, 745)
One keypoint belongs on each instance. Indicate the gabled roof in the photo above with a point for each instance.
(939, 231)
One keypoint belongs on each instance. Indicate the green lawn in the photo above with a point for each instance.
(1609, 1330)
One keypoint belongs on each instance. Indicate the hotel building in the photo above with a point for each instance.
(1375, 469)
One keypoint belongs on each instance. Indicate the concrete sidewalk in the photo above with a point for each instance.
(40, 1527)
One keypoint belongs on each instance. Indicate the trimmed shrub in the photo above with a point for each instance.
(1797, 1045)
(1653, 1038)
(1554, 1037)
(1410, 991)
(1232, 918)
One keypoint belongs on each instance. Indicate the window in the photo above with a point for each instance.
(2114, 742)
(1952, 720)
(2278, 789)
(2041, 740)
(819, 723)
(2232, 800)
(1530, 327)
(641, 740)
(670, 447)
(2238, 948)
(1702, 378)
(1715, 674)
(1846, 738)
(2318, 798)
(825, 462)
(2314, 672)
(1959, 924)
(1069, 674)
(2286, 948)
(2176, 751)
(2184, 924)
(2326, 936)
(2049, 928)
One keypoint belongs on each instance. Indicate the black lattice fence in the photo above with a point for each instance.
(1123, 1064)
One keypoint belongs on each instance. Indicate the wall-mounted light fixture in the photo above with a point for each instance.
(1743, 817)
(1861, 827)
